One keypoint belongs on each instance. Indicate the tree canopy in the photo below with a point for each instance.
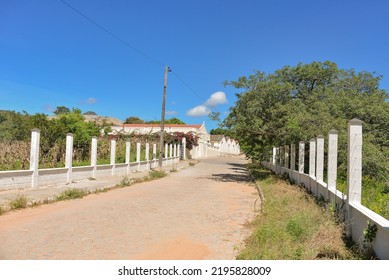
(61, 110)
(133, 120)
(168, 121)
(297, 103)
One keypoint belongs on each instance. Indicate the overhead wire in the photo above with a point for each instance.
(132, 47)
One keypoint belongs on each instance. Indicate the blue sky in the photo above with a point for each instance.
(51, 56)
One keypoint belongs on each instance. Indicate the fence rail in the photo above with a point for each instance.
(35, 177)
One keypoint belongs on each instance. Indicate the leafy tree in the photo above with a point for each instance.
(61, 110)
(222, 131)
(168, 121)
(133, 120)
(174, 121)
(301, 102)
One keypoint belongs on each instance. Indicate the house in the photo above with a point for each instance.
(148, 128)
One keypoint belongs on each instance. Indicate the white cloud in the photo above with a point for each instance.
(198, 111)
(216, 98)
(91, 100)
(171, 113)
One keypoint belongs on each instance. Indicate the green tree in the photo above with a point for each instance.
(133, 120)
(61, 110)
(168, 121)
(301, 102)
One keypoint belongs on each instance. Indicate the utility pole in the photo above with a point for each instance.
(167, 69)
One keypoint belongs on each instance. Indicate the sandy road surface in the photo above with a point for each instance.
(197, 213)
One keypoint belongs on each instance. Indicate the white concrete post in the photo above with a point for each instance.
(166, 151)
(301, 156)
(319, 158)
(332, 160)
(174, 150)
(154, 151)
(137, 152)
(34, 157)
(293, 157)
(171, 153)
(147, 157)
(138, 155)
(184, 148)
(286, 163)
(69, 157)
(93, 159)
(312, 157)
(354, 163)
(147, 152)
(128, 157)
(274, 156)
(178, 152)
(113, 155)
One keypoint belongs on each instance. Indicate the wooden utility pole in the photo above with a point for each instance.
(167, 69)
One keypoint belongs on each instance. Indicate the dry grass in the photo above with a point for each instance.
(292, 225)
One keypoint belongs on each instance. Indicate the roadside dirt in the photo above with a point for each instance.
(197, 213)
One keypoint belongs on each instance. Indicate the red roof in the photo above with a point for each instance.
(159, 125)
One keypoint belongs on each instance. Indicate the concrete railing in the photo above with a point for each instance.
(224, 147)
(356, 216)
(36, 177)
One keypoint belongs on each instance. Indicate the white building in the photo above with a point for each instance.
(146, 128)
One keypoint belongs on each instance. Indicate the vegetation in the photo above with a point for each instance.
(299, 103)
(137, 120)
(133, 120)
(15, 133)
(71, 194)
(168, 121)
(293, 225)
(19, 202)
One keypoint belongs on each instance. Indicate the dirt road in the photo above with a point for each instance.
(197, 213)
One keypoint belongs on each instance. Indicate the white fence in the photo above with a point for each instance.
(357, 217)
(36, 177)
(225, 146)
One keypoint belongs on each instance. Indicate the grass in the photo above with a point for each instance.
(292, 226)
(192, 163)
(73, 193)
(19, 202)
(156, 174)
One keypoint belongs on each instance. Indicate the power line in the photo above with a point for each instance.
(189, 87)
(133, 47)
(112, 34)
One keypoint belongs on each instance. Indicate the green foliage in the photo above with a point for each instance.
(15, 128)
(155, 174)
(290, 229)
(19, 202)
(168, 121)
(61, 110)
(222, 131)
(133, 120)
(71, 194)
(370, 232)
(299, 103)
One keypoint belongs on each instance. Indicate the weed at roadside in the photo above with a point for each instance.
(19, 202)
(293, 225)
(71, 194)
